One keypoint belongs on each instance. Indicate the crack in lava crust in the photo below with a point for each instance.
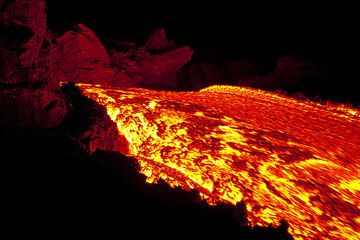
(286, 159)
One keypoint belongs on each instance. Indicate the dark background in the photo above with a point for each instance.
(323, 33)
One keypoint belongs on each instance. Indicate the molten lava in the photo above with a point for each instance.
(286, 159)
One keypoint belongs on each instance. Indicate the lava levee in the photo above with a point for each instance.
(284, 158)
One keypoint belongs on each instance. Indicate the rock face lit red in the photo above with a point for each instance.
(159, 70)
(153, 66)
(81, 57)
(29, 94)
(150, 70)
(285, 158)
(23, 34)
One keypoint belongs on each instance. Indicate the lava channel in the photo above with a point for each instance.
(286, 159)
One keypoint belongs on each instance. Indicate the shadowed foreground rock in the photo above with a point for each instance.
(51, 182)
(89, 123)
(39, 108)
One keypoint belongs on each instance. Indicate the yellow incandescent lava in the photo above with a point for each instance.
(286, 159)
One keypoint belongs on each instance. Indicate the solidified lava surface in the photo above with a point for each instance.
(286, 159)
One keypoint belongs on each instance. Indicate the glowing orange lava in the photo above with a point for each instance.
(286, 159)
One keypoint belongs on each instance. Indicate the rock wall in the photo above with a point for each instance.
(29, 94)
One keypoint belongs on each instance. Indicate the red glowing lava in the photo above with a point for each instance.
(286, 159)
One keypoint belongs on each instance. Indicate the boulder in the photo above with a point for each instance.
(158, 42)
(153, 66)
(84, 44)
(159, 70)
(148, 70)
(81, 57)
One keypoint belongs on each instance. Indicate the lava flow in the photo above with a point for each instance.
(286, 159)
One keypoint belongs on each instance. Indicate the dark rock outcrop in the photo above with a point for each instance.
(31, 108)
(89, 123)
(80, 57)
(159, 71)
(239, 70)
(50, 176)
(291, 74)
(145, 69)
(198, 75)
